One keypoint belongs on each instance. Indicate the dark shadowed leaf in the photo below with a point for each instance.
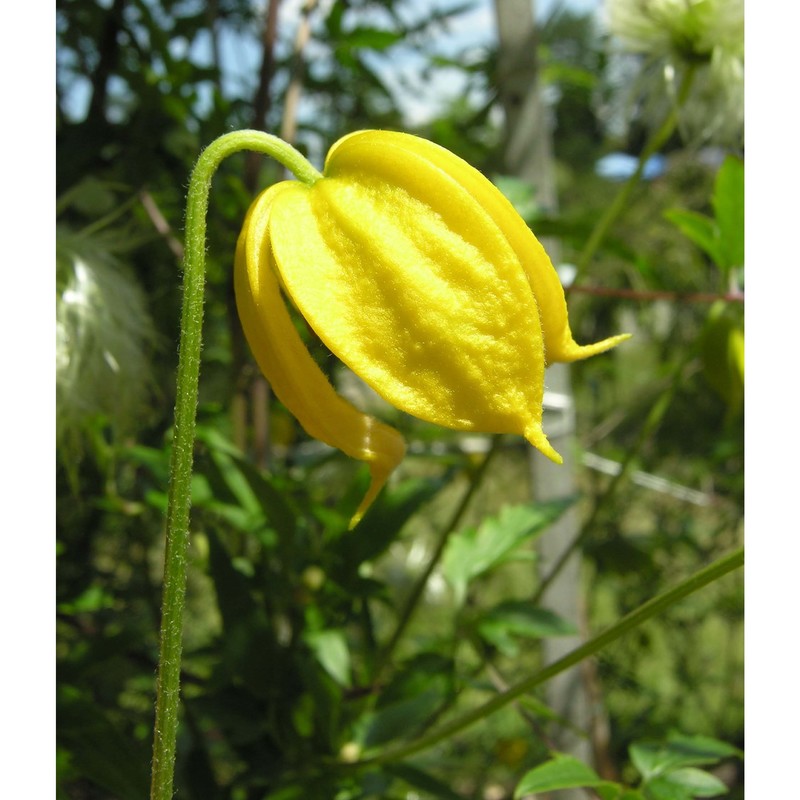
(385, 519)
(502, 624)
(423, 780)
(118, 763)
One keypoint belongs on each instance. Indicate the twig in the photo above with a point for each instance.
(289, 122)
(422, 581)
(636, 294)
(648, 610)
(160, 223)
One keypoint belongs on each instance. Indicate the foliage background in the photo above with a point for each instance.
(290, 615)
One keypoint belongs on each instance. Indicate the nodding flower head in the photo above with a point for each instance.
(420, 276)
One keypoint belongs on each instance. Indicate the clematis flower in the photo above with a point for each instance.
(673, 36)
(417, 274)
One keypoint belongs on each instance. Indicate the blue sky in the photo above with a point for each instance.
(474, 29)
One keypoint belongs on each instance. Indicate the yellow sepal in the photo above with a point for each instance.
(421, 277)
(405, 277)
(286, 363)
(559, 344)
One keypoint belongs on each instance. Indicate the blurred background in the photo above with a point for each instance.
(616, 129)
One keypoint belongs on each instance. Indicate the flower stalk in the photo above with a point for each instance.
(418, 274)
(179, 494)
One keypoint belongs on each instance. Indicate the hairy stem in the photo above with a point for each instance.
(179, 496)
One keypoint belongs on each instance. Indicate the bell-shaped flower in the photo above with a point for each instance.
(420, 276)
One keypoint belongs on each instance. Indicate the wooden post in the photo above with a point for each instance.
(528, 155)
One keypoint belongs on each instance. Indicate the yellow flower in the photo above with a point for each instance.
(418, 274)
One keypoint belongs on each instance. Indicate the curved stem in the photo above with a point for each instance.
(179, 496)
(645, 612)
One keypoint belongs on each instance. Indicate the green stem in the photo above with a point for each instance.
(179, 497)
(103, 222)
(645, 612)
(657, 140)
(654, 417)
(599, 232)
(419, 587)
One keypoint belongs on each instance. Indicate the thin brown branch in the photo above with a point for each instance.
(109, 47)
(261, 100)
(255, 393)
(212, 14)
(289, 123)
(260, 390)
(645, 295)
(160, 223)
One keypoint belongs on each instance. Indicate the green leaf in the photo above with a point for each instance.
(403, 718)
(419, 673)
(728, 203)
(249, 649)
(232, 585)
(414, 696)
(99, 750)
(91, 197)
(520, 193)
(614, 791)
(225, 477)
(92, 599)
(722, 238)
(271, 497)
(370, 38)
(699, 750)
(649, 759)
(662, 788)
(652, 759)
(702, 230)
(569, 74)
(561, 772)
(474, 552)
(519, 618)
(687, 782)
(247, 498)
(722, 351)
(383, 521)
(154, 460)
(330, 648)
